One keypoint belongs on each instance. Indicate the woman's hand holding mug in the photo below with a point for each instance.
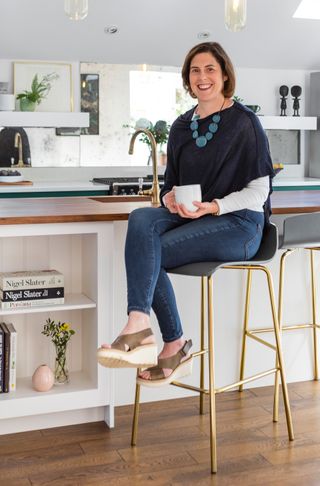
(186, 201)
(203, 209)
(169, 200)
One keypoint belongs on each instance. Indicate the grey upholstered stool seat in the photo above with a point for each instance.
(301, 231)
(205, 270)
(266, 252)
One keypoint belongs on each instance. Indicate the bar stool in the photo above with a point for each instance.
(205, 270)
(301, 231)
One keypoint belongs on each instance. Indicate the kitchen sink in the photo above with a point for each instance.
(121, 198)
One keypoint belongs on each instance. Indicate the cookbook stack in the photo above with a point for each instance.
(31, 289)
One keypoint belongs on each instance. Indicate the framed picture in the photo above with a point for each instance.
(90, 102)
(60, 95)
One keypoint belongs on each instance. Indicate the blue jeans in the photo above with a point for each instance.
(158, 240)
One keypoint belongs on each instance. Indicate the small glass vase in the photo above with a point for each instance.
(61, 372)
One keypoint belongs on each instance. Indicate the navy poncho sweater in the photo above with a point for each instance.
(237, 154)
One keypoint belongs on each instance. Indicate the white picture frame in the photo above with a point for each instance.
(60, 96)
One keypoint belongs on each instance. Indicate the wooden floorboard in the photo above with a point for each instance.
(173, 446)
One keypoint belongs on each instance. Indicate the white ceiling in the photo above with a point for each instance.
(157, 32)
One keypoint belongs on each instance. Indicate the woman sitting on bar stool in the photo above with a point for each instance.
(221, 145)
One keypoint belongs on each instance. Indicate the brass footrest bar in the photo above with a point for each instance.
(199, 353)
(284, 328)
(228, 387)
(246, 380)
(261, 341)
(189, 387)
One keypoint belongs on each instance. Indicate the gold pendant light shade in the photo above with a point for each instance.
(76, 9)
(235, 14)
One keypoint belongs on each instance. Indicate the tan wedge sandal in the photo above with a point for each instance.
(180, 367)
(128, 352)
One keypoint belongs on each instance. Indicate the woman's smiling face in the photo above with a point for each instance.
(206, 77)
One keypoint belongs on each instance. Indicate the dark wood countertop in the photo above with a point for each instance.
(293, 202)
(65, 210)
(80, 209)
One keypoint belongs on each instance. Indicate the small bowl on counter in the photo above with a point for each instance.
(8, 175)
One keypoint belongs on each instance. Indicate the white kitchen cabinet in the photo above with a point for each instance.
(83, 252)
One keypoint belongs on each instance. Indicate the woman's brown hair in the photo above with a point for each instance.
(222, 58)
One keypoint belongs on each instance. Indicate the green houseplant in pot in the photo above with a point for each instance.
(160, 131)
(39, 91)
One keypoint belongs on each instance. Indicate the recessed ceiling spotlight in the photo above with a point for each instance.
(204, 35)
(112, 29)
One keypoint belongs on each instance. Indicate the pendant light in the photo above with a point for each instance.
(76, 9)
(235, 14)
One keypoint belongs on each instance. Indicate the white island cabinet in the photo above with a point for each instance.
(83, 253)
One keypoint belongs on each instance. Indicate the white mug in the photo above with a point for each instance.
(187, 194)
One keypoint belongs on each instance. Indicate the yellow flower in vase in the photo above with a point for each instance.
(60, 333)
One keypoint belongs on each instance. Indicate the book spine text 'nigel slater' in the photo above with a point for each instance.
(31, 294)
(28, 280)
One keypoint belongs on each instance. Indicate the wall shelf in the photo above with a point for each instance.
(289, 122)
(26, 401)
(43, 119)
(71, 302)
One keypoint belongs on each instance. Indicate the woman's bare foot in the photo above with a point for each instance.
(137, 321)
(168, 350)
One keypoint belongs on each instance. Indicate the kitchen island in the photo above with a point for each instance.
(84, 239)
(118, 208)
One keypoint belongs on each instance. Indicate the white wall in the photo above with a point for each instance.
(261, 87)
(110, 148)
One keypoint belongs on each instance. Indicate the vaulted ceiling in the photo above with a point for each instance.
(157, 32)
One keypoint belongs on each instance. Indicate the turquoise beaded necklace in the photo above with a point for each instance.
(202, 140)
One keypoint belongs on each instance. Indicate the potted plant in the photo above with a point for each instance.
(160, 131)
(39, 91)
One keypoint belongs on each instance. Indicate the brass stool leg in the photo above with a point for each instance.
(245, 327)
(314, 316)
(279, 355)
(135, 414)
(280, 302)
(202, 319)
(213, 438)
